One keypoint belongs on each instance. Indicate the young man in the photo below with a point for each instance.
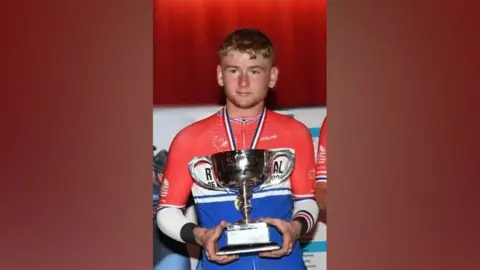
(321, 179)
(246, 72)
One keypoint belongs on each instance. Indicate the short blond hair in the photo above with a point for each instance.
(251, 41)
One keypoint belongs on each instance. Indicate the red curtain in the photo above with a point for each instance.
(188, 34)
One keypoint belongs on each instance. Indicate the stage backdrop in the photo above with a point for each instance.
(188, 33)
(167, 122)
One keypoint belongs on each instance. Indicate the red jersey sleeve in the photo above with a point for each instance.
(177, 183)
(321, 175)
(303, 176)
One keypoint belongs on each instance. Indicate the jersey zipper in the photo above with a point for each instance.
(243, 134)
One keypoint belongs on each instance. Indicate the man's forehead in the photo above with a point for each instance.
(244, 58)
(247, 55)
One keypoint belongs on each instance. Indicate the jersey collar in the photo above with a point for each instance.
(240, 119)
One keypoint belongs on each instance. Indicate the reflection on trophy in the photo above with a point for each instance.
(243, 172)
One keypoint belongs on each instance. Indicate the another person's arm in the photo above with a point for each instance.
(321, 175)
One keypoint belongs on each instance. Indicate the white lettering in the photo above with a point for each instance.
(322, 155)
(268, 138)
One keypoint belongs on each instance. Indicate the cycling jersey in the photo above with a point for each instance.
(210, 136)
(321, 161)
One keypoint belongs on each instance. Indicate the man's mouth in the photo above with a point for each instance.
(243, 94)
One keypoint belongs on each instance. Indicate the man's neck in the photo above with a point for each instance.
(236, 112)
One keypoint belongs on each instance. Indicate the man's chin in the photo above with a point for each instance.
(245, 104)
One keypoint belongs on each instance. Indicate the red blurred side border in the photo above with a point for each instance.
(76, 135)
(76, 116)
(403, 107)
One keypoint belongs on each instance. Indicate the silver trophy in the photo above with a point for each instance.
(243, 172)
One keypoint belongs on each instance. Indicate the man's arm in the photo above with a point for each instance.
(174, 192)
(303, 181)
(321, 175)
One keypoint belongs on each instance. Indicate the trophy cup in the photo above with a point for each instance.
(243, 172)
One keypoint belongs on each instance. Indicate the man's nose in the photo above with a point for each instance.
(243, 80)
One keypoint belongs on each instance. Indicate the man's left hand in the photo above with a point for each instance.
(290, 232)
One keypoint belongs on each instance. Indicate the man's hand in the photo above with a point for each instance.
(208, 238)
(290, 232)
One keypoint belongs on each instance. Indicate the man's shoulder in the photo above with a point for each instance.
(195, 129)
(288, 121)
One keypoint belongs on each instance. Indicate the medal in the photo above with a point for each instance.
(231, 136)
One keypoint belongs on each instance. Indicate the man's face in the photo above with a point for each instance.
(246, 81)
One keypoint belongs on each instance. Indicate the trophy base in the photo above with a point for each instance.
(247, 234)
(249, 237)
(244, 249)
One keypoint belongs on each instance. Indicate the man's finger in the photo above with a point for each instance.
(285, 247)
(216, 258)
(211, 249)
(271, 221)
(267, 254)
(223, 259)
(211, 245)
(275, 253)
(278, 223)
(287, 241)
(279, 252)
(223, 224)
(290, 248)
(220, 227)
(228, 259)
(217, 232)
(220, 258)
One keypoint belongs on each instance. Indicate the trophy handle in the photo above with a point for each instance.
(288, 170)
(198, 179)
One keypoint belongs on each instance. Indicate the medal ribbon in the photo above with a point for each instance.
(231, 136)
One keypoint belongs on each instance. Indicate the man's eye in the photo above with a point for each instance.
(255, 72)
(233, 71)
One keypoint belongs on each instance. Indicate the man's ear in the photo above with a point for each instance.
(273, 77)
(219, 75)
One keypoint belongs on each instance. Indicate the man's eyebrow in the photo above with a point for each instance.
(257, 66)
(230, 66)
(251, 67)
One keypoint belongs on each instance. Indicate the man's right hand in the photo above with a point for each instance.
(208, 238)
